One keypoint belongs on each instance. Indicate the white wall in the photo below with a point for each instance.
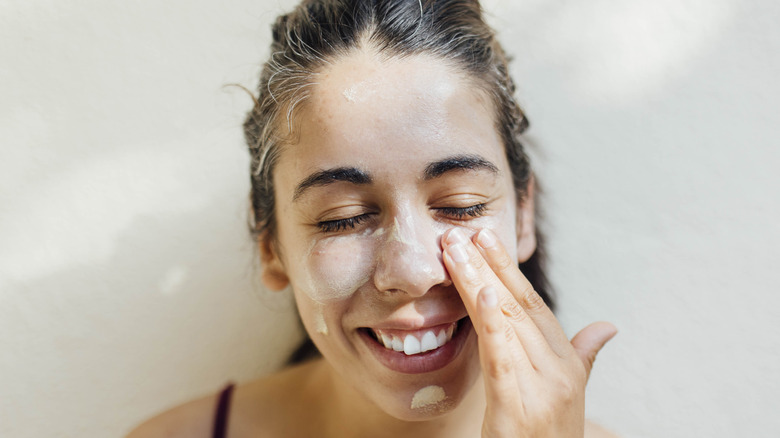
(128, 281)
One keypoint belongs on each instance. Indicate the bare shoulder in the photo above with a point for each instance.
(193, 419)
(593, 430)
(278, 405)
(262, 406)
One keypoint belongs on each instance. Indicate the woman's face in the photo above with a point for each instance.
(387, 156)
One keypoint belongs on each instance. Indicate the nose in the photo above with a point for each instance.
(410, 258)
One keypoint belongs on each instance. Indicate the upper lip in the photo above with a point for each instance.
(429, 322)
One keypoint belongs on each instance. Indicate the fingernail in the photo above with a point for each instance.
(456, 236)
(458, 253)
(486, 238)
(489, 297)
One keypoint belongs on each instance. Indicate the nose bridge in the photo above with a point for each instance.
(410, 258)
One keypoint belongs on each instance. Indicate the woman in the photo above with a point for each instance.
(391, 193)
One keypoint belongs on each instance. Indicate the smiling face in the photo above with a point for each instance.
(388, 155)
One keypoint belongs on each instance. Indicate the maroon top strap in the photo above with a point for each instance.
(223, 412)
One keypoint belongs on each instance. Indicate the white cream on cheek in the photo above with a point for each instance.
(336, 266)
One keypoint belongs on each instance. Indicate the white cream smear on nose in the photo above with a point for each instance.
(430, 395)
(407, 236)
(395, 235)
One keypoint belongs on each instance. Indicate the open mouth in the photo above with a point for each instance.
(418, 351)
(412, 342)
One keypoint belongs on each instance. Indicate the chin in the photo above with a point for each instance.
(435, 402)
(431, 397)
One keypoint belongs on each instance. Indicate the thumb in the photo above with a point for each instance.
(589, 341)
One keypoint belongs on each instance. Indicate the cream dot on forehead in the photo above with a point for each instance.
(362, 76)
(359, 91)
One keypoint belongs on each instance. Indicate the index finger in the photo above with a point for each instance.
(507, 271)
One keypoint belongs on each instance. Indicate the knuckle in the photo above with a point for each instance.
(546, 414)
(513, 310)
(569, 391)
(499, 368)
(473, 273)
(477, 261)
(533, 302)
(469, 276)
(566, 388)
(492, 327)
(591, 358)
(509, 332)
(584, 360)
(504, 263)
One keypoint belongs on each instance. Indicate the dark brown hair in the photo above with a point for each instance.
(319, 32)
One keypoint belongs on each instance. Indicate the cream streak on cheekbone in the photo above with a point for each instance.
(338, 265)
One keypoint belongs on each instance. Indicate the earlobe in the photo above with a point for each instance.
(273, 275)
(526, 225)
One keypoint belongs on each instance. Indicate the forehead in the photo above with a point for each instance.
(385, 114)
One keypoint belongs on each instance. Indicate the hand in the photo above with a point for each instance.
(534, 377)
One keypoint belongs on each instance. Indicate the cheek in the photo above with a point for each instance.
(335, 267)
(505, 227)
(503, 223)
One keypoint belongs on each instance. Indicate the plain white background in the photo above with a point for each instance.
(128, 281)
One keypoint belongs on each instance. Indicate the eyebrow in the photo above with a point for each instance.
(458, 162)
(329, 176)
(359, 177)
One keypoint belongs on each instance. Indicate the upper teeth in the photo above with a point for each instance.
(411, 344)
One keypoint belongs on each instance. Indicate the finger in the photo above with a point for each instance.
(463, 274)
(590, 340)
(500, 368)
(470, 274)
(505, 268)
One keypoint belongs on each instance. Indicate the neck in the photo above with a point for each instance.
(347, 413)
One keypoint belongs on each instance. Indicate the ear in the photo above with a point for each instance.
(272, 272)
(526, 226)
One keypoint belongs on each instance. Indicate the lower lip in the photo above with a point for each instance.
(424, 362)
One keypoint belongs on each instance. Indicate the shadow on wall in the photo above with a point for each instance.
(173, 313)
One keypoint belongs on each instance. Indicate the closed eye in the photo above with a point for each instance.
(457, 213)
(342, 224)
(463, 212)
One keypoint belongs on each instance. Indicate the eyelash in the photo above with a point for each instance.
(461, 212)
(342, 224)
(349, 223)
